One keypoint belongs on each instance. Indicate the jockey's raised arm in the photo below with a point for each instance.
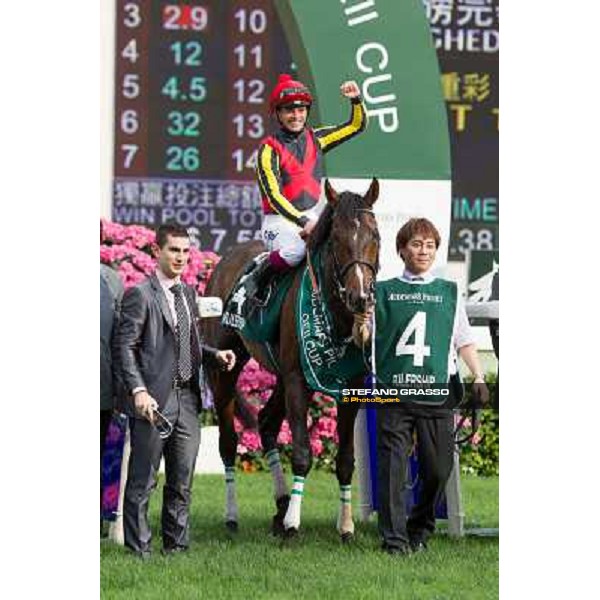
(290, 168)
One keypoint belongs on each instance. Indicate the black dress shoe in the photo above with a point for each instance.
(418, 544)
(174, 550)
(403, 550)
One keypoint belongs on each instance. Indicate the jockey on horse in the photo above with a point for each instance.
(289, 171)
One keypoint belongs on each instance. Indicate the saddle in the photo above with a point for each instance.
(254, 305)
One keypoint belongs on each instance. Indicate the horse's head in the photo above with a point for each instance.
(354, 240)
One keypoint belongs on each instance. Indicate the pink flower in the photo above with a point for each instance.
(330, 409)
(251, 440)
(241, 450)
(316, 446)
(285, 435)
(106, 255)
(326, 427)
(133, 244)
(476, 438)
(114, 231)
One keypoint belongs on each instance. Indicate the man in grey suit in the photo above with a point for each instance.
(158, 355)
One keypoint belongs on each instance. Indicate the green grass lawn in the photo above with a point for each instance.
(253, 564)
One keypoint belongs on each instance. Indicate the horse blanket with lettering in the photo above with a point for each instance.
(328, 363)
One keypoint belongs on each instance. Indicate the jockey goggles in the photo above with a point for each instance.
(289, 93)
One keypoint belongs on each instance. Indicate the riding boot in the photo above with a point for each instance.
(258, 278)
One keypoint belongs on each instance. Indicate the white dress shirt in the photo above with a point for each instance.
(166, 285)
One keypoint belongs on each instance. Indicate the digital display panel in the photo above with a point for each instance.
(465, 34)
(192, 80)
(191, 105)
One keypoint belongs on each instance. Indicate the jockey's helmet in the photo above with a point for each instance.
(289, 92)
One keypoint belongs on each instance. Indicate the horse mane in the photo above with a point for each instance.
(347, 203)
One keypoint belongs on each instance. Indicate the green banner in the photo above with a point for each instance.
(386, 46)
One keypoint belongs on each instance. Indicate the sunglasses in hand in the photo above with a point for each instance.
(162, 424)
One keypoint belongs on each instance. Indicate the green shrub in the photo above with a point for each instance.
(480, 455)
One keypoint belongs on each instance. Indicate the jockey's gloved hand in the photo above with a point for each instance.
(307, 229)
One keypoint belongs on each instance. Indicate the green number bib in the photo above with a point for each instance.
(414, 324)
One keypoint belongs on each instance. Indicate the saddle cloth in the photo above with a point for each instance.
(328, 363)
(257, 320)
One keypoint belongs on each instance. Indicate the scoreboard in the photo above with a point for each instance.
(465, 34)
(191, 105)
(192, 80)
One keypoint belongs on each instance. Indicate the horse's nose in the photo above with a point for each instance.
(357, 301)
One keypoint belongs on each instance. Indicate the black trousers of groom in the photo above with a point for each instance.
(180, 450)
(435, 440)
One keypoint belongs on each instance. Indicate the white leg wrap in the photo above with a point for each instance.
(292, 516)
(231, 507)
(280, 486)
(345, 524)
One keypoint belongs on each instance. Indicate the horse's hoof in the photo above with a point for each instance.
(282, 504)
(347, 537)
(231, 526)
(277, 528)
(291, 533)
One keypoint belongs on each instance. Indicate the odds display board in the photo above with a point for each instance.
(466, 38)
(192, 80)
(191, 104)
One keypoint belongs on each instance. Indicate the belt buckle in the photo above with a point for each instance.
(181, 385)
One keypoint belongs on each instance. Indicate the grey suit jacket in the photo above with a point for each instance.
(111, 291)
(145, 350)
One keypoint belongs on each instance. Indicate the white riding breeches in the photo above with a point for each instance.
(280, 234)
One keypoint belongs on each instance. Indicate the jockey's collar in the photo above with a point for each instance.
(291, 135)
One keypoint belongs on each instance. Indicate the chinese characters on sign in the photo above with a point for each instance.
(465, 33)
(191, 104)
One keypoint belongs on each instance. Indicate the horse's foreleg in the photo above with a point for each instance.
(269, 423)
(270, 419)
(344, 468)
(296, 395)
(224, 388)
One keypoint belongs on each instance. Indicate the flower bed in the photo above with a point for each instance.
(128, 249)
(322, 430)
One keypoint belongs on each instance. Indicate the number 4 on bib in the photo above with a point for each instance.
(419, 350)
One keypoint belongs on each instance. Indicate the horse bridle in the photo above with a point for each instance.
(339, 273)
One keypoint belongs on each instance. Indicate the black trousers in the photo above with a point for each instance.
(180, 450)
(105, 418)
(435, 440)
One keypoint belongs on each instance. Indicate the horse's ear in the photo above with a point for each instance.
(330, 193)
(372, 193)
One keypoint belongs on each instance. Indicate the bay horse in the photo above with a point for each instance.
(350, 267)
